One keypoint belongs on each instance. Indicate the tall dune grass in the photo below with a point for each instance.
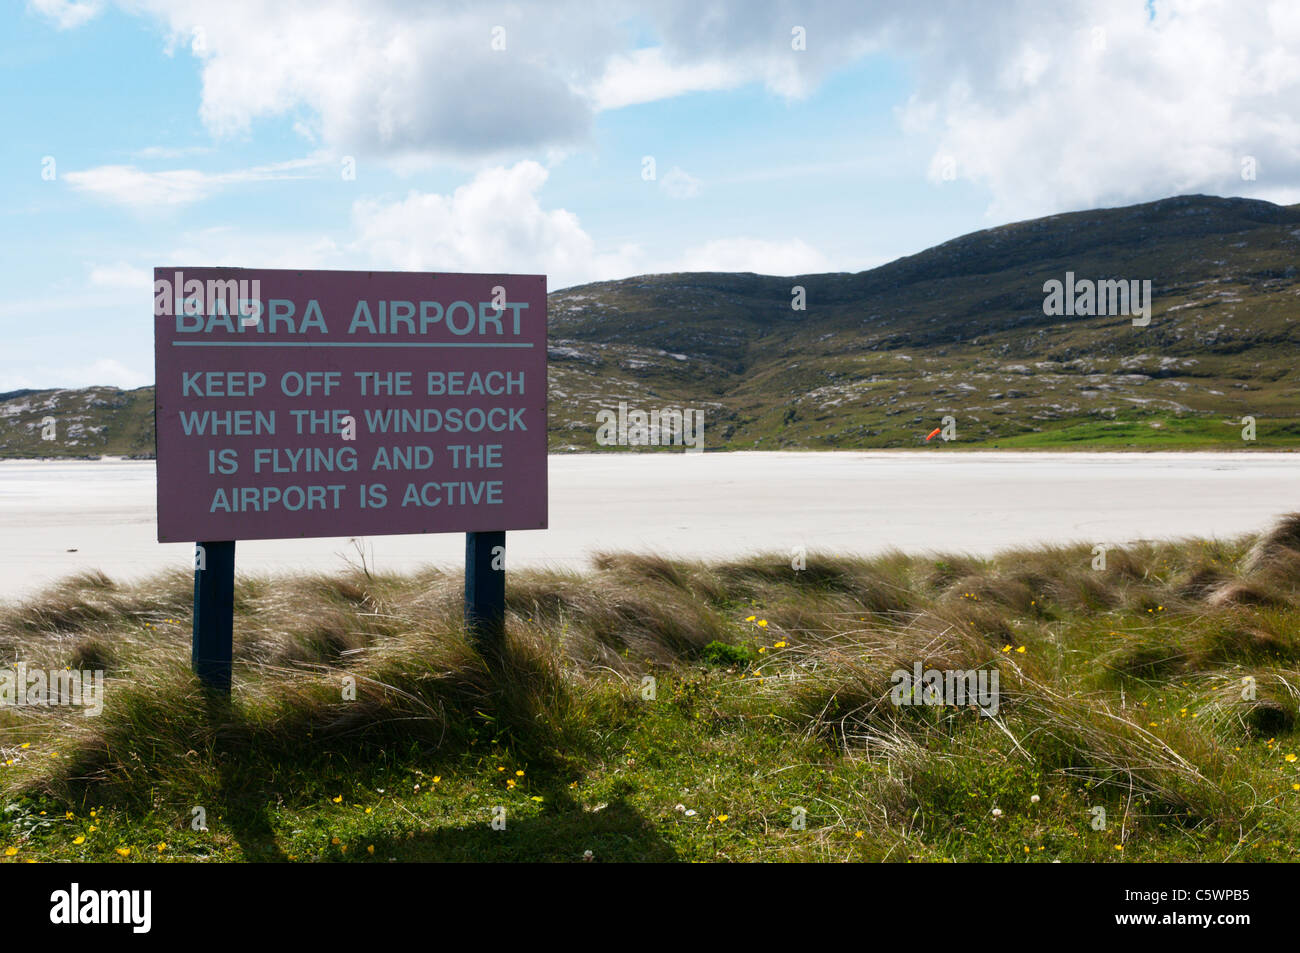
(1124, 685)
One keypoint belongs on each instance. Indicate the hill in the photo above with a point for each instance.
(877, 358)
(89, 421)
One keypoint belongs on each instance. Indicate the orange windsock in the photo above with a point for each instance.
(932, 433)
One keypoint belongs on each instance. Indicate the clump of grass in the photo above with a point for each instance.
(724, 653)
(1280, 546)
(1259, 704)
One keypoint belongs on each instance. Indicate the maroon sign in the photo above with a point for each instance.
(348, 403)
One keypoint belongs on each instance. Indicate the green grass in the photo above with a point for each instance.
(767, 733)
(1158, 433)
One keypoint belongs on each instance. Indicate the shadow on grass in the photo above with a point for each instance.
(243, 815)
(563, 833)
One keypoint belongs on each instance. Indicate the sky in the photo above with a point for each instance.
(589, 141)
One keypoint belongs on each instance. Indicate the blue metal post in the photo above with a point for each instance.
(214, 614)
(485, 591)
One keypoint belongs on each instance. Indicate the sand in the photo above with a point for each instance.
(699, 505)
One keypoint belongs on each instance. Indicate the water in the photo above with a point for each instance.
(700, 505)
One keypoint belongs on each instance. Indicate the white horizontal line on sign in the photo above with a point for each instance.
(343, 344)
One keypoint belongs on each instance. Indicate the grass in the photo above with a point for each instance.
(1154, 432)
(652, 709)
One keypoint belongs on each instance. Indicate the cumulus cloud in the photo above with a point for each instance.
(1076, 104)
(401, 77)
(391, 77)
(497, 217)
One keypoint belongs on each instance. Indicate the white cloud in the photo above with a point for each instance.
(493, 221)
(496, 221)
(1117, 106)
(127, 185)
(66, 14)
(645, 75)
(391, 77)
(169, 152)
(172, 188)
(679, 184)
(399, 77)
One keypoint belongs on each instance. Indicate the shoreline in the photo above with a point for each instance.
(674, 451)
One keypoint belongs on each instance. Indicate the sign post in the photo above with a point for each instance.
(214, 614)
(485, 592)
(304, 404)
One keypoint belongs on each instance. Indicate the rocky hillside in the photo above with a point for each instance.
(879, 357)
(87, 422)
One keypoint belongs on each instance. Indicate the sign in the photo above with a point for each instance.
(348, 403)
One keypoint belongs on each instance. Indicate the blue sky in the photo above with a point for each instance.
(150, 133)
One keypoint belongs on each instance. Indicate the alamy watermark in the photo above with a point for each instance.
(217, 299)
(131, 908)
(669, 427)
(22, 687)
(931, 686)
(1089, 298)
